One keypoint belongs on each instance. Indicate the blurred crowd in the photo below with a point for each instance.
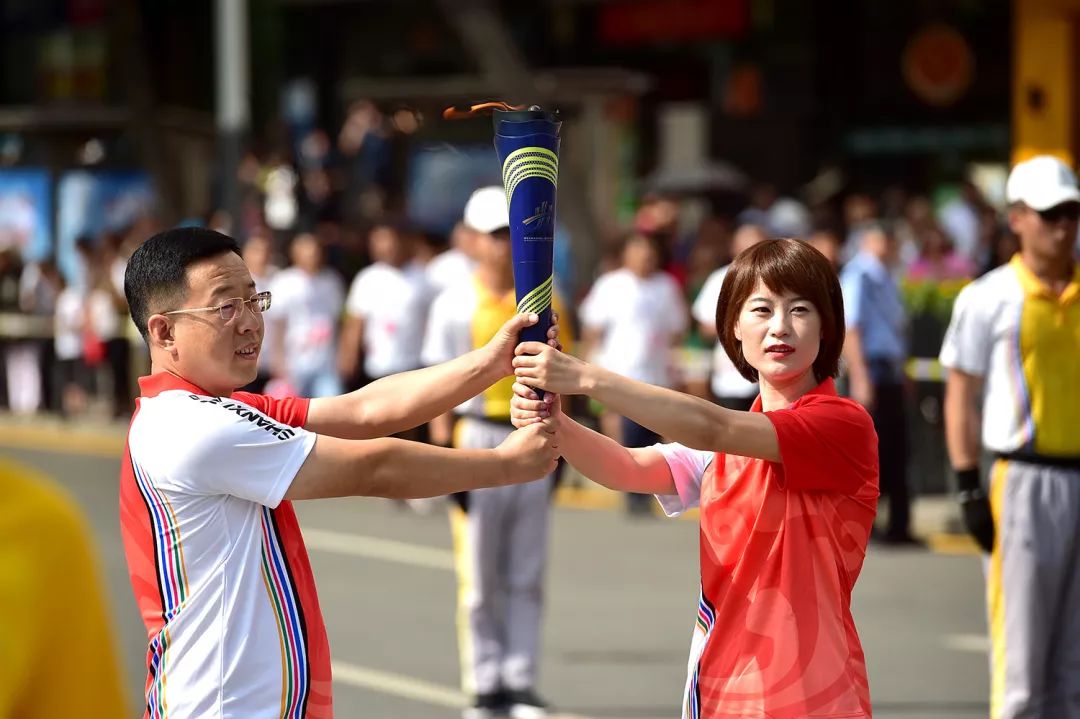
(325, 227)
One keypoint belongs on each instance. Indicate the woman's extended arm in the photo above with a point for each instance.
(688, 420)
(600, 458)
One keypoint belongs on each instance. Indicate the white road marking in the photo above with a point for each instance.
(974, 643)
(398, 685)
(358, 545)
(406, 687)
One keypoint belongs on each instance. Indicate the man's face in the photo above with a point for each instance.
(213, 354)
(1048, 234)
(494, 249)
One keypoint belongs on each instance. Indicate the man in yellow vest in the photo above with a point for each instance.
(500, 537)
(1011, 350)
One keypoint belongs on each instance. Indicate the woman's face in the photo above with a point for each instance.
(780, 334)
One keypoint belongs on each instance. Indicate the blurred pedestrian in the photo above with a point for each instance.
(729, 387)
(258, 255)
(500, 534)
(875, 351)
(1011, 350)
(449, 266)
(386, 309)
(30, 362)
(635, 316)
(72, 377)
(787, 491)
(217, 561)
(59, 656)
(305, 325)
(938, 261)
(828, 243)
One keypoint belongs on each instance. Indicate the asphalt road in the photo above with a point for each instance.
(621, 600)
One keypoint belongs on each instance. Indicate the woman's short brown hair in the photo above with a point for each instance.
(784, 265)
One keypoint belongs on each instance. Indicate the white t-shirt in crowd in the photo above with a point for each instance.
(68, 322)
(310, 306)
(640, 318)
(448, 268)
(726, 380)
(393, 303)
(262, 283)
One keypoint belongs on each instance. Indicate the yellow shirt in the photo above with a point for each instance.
(1010, 329)
(464, 317)
(57, 654)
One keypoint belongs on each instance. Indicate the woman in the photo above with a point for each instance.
(787, 491)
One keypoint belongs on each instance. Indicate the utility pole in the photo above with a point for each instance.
(233, 86)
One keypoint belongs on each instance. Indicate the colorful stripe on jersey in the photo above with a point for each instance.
(168, 549)
(281, 589)
(706, 619)
(1021, 397)
(155, 690)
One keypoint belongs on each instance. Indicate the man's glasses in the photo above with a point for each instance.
(231, 309)
(1057, 213)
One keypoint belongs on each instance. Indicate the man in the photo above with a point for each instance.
(452, 264)
(258, 255)
(386, 310)
(215, 554)
(59, 658)
(1011, 350)
(500, 534)
(635, 316)
(305, 329)
(875, 351)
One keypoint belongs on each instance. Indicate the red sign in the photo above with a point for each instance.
(646, 21)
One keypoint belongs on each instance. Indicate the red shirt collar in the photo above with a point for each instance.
(828, 388)
(155, 384)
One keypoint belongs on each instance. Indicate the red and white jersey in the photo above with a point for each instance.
(217, 562)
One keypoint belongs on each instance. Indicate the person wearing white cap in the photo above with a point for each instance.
(500, 538)
(1011, 350)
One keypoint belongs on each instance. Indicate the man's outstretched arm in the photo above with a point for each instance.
(402, 401)
(398, 469)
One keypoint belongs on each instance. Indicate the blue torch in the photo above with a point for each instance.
(527, 142)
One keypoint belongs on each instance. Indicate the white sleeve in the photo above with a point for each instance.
(968, 339)
(355, 305)
(687, 469)
(228, 447)
(704, 309)
(593, 310)
(439, 343)
(337, 294)
(678, 316)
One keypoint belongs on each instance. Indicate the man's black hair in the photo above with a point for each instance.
(157, 271)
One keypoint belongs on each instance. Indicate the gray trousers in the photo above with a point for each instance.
(500, 549)
(1033, 592)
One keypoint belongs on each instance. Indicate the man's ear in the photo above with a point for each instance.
(160, 332)
(1015, 218)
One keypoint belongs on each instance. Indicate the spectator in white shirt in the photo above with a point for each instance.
(459, 261)
(258, 255)
(730, 388)
(306, 309)
(633, 316)
(386, 309)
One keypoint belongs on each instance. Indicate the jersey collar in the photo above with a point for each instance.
(155, 384)
(827, 388)
(1033, 286)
